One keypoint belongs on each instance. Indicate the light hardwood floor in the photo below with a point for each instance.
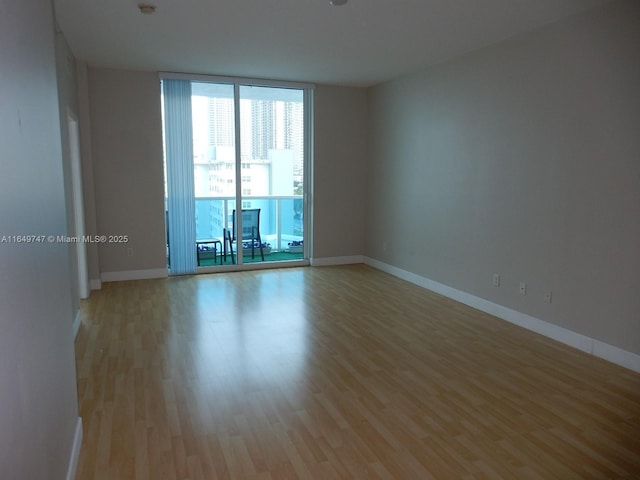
(337, 372)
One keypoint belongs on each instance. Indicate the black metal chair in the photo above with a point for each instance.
(250, 231)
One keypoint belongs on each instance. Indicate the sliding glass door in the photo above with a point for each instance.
(249, 153)
(214, 170)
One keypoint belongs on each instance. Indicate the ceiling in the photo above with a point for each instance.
(362, 43)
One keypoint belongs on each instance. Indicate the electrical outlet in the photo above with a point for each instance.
(523, 288)
(384, 246)
(496, 279)
(547, 297)
(130, 252)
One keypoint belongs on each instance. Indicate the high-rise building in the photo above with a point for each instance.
(271, 159)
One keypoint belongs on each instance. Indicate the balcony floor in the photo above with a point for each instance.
(268, 257)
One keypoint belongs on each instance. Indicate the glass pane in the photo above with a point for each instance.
(213, 168)
(272, 168)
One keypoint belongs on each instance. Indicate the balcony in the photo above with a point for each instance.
(281, 224)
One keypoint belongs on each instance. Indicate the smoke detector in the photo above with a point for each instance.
(147, 8)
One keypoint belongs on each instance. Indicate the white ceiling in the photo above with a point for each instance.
(361, 43)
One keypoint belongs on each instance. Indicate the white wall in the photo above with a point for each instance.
(521, 159)
(339, 171)
(38, 406)
(126, 140)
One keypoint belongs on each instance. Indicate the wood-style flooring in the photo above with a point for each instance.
(337, 373)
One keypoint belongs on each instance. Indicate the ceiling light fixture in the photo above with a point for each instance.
(147, 8)
(337, 3)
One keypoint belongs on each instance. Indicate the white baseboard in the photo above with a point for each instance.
(592, 346)
(95, 284)
(329, 261)
(134, 275)
(76, 322)
(75, 451)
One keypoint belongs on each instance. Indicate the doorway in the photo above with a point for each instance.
(230, 147)
(78, 206)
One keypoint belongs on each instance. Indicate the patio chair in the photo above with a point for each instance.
(250, 231)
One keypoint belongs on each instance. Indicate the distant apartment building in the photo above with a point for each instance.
(271, 167)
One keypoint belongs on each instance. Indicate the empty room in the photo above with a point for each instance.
(319, 239)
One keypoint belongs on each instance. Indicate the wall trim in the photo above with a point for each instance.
(95, 284)
(329, 261)
(573, 339)
(76, 322)
(75, 451)
(134, 275)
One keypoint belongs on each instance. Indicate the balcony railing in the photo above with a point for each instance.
(281, 218)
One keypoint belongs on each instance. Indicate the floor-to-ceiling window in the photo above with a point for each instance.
(235, 146)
